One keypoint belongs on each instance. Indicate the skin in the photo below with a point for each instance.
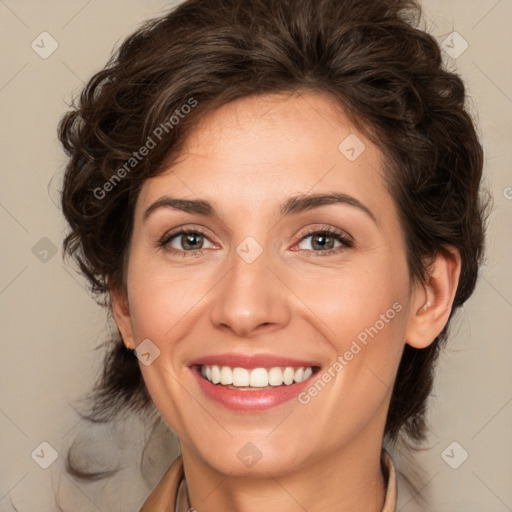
(258, 151)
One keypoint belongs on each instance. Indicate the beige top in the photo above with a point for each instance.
(172, 489)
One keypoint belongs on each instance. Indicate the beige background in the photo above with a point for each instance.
(50, 325)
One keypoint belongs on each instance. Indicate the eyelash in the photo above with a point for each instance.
(168, 237)
(330, 232)
(346, 241)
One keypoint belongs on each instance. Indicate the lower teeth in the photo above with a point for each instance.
(249, 388)
(246, 388)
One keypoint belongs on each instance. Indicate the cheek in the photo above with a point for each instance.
(161, 297)
(359, 380)
(349, 301)
(368, 338)
(362, 314)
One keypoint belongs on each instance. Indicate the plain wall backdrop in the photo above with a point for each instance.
(50, 325)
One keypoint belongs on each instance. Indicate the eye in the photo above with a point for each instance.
(325, 241)
(186, 241)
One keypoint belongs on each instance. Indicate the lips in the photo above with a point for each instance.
(251, 361)
(252, 395)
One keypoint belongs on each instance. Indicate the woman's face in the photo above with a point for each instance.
(258, 283)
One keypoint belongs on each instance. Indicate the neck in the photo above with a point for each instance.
(344, 480)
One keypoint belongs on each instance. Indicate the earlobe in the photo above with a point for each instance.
(432, 301)
(121, 310)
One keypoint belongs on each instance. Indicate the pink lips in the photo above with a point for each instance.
(249, 401)
(252, 361)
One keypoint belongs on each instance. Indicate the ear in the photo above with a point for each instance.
(121, 310)
(432, 301)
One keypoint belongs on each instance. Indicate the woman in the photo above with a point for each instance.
(280, 202)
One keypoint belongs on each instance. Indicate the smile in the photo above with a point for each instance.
(251, 383)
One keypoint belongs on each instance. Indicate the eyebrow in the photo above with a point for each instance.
(295, 204)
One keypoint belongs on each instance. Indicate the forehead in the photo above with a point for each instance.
(258, 147)
(271, 126)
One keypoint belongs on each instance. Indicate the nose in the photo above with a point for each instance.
(251, 298)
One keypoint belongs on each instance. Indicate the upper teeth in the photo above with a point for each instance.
(257, 377)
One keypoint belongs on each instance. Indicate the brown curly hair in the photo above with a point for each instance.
(369, 55)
